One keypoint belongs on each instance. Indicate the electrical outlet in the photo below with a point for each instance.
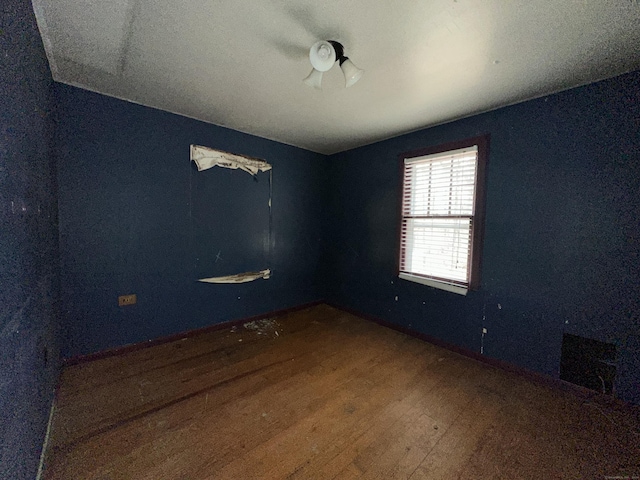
(124, 300)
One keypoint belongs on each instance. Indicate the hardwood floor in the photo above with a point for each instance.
(321, 394)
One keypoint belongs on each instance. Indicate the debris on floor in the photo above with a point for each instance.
(266, 326)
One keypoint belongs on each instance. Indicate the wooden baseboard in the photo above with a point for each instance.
(178, 336)
(540, 378)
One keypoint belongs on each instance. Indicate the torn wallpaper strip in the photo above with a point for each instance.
(239, 277)
(206, 158)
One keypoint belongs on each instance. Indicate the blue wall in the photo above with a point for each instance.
(562, 241)
(136, 217)
(28, 244)
(562, 246)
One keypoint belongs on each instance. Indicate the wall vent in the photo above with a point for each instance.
(589, 363)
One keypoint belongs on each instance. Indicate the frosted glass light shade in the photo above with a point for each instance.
(322, 56)
(351, 73)
(314, 79)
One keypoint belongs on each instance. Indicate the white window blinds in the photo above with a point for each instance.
(438, 215)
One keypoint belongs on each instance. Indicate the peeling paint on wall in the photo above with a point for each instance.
(207, 232)
(238, 278)
(206, 158)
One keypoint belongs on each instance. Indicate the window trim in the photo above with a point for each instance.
(477, 240)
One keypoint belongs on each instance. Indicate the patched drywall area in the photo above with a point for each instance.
(206, 158)
(239, 277)
(242, 249)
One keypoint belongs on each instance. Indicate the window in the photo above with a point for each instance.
(443, 215)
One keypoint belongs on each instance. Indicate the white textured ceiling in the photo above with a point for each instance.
(240, 63)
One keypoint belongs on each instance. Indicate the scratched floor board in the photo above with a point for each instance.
(321, 394)
(282, 405)
(359, 397)
(169, 379)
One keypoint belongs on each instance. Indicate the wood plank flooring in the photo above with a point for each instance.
(321, 394)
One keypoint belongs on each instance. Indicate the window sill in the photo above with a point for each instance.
(434, 283)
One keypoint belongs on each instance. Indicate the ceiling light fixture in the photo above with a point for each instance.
(323, 55)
